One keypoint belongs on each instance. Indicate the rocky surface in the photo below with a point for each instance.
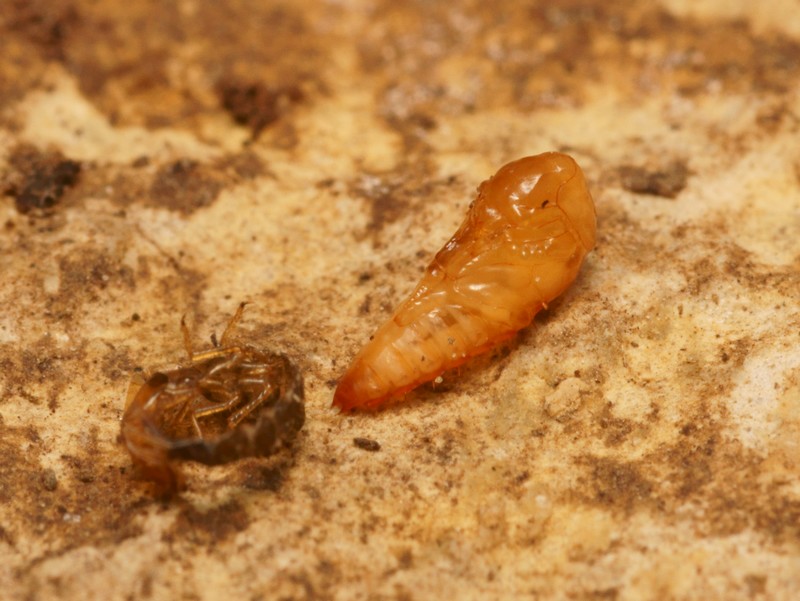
(639, 441)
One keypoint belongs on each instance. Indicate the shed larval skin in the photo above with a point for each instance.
(520, 246)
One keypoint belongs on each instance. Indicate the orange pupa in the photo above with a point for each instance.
(521, 245)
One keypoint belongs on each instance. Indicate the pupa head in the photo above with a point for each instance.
(528, 188)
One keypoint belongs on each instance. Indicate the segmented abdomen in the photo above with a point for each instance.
(520, 246)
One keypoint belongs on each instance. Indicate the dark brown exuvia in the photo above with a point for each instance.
(228, 403)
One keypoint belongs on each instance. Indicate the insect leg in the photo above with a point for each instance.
(235, 418)
(221, 352)
(187, 339)
(232, 323)
(218, 408)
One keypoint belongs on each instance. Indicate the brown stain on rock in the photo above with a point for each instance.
(618, 484)
(387, 201)
(40, 179)
(667, 181)
(91, 272)
(182, 185)
(258, 476)
(185, 186)
(38, 374)
(42, 23)
(614, 430)
(367, 444)
(32, 34)
(728, 488)
(481, 59)
(208, 527)
(101, 44)
(404, 193)
(89, 503)
(256, 105)
(700, 469)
